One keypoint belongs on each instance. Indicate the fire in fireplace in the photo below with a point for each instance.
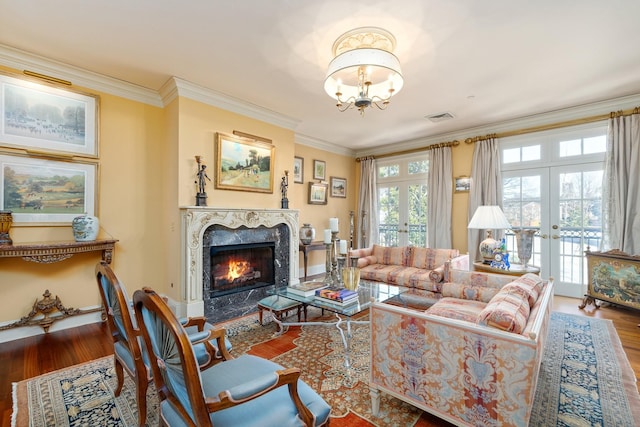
(236, 268)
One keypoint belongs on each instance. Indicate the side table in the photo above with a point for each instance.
(515, 270)
(305, 249)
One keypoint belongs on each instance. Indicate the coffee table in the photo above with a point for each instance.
(368, 292)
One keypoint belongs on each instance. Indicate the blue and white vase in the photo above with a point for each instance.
(85, 228)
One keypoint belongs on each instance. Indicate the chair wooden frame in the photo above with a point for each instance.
(116, 304)
(149, 303)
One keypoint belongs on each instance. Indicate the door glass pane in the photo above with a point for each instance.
(522, 207)
(580, 221)
(417, 226)
(388, 200)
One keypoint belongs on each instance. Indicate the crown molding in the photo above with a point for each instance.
(323, 145)
(176, 86)
(525, 122)
(21, 60)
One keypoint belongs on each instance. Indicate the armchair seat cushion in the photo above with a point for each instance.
(272, 409)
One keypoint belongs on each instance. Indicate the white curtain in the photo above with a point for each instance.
(440, 198)
(621, 186)
(368, 204)
(486, 187)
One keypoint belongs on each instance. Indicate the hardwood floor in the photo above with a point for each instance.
(29, 357)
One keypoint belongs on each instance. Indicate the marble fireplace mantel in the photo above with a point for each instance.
(195, 220)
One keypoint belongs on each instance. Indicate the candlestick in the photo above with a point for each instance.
(328, 280)
(333, 225)
(343, 247)
(327, 237)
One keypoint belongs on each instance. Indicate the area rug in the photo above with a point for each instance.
(585, 380)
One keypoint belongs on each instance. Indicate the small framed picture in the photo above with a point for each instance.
(298, 170)
(317, 193)
(462, 184)
(338, 187)
(319, 169)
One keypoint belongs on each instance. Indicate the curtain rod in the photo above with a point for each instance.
(522, 131)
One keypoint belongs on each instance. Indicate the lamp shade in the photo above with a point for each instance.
(489, 218)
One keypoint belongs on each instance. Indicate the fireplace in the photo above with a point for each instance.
(236, 268)
(209, 232)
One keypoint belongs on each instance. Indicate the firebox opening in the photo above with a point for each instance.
(236, 268)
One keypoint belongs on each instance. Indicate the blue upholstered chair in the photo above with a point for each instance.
(129, 354)
(243, 391)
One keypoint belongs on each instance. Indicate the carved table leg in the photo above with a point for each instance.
(588, 300)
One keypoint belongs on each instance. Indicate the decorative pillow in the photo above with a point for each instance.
(368, 260)
(437, 274)
(429, 258)
(462, 291)
(508, 310)
(395, 255)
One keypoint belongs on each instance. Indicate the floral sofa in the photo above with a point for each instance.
(421, 269)
(473, 357)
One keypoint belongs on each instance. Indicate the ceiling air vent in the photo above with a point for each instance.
(439, 117)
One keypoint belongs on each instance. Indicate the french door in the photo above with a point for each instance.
(563, 204)
(552, 183)
(402, 201)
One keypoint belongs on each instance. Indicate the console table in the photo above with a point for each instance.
(305, 249)
(48, 253)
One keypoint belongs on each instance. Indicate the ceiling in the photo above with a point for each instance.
(482, 61)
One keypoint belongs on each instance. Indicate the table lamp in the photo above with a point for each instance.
(488, 218)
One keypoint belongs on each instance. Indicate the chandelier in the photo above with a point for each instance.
(364, 71)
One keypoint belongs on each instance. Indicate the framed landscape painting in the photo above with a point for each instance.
(44, 118)
(243, 164)
(338, 187)
(46, 191)
(317, 193)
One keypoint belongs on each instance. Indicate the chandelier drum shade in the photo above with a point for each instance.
(364, 71)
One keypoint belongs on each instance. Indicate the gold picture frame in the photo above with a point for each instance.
(318, 193)
(338, 187)
(41, 191)
(65, 120)
(243, 164)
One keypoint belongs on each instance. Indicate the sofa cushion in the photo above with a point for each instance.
(468, 292)
(508, 310)
(429, 258)
(396, 255)
(455, 308)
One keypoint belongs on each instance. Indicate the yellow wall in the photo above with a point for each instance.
(318, 215)
(129, 202)
(461, 157)
(147, 171)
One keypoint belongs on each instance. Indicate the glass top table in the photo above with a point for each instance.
(368, 292)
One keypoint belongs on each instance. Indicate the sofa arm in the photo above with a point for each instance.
(437, 274)
(458, 263)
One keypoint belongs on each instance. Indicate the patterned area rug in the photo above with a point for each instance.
(585, 380)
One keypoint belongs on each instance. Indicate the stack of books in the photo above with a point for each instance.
(336, 295)
(306, 289)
